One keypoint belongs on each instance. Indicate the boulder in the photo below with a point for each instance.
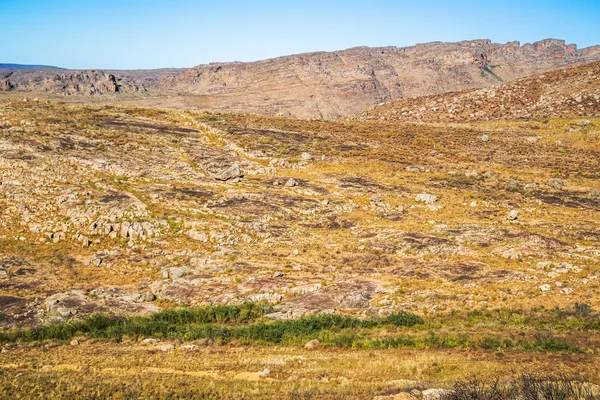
(264, 373)
(545, 288)
(313, 344)
(306, 157)
(428, 199)
(433, 394)
(513, 215)
(557, 183)
(229, 173)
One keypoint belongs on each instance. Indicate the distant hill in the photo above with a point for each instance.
(569, 92)
(21, 66)
(335, 84)
(321, 85)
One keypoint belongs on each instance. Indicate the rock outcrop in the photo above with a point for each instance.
(330, 85)
(67, 82)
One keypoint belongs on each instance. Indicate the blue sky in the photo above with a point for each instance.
(132, 34)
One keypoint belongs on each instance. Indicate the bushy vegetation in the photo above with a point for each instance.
(527, 386)
(217, 323)
(245, 324)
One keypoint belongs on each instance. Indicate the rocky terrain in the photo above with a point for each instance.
(330, 85)
(565, 93)
(413, 251)
(314, 85)
(130, 210)
(50, 81)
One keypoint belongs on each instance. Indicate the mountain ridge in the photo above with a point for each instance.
(319, 85)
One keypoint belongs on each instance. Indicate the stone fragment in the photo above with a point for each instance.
(513, 215)
(230, 173)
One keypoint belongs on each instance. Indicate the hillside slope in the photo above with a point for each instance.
(313, 85)
(330, 85)
(569, 92)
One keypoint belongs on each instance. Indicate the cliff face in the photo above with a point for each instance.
(565, 93)
(330, 85)
(320, 85)
(67, 83)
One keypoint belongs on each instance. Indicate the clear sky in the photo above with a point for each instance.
(135, 34)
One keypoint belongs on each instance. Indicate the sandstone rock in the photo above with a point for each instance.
(264, 373)
(66, 311)
(428, 199)
(557, 183)
(229, 173)
(148, 296)
(176, 272)
(198, 235)
(433, 394)
(545, 287)
(513, 215)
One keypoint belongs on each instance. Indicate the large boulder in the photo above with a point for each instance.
(230, 173)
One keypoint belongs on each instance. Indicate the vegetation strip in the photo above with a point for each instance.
(246, 324)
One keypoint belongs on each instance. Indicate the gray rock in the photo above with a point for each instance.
(545, 288)
(229, 173)
(485, 138)
(150, 341)
(433, 394)
(277, 274)
(313, 344)
(166, 347)
(426, 198)
(264, 373)
(148, 296)
(557, 183)
(306, 157)
(176, 272)
(513, 215)
(66, 312)
(291, 183)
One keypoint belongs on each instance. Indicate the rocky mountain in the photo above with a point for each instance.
(569, 92)
(65, 82)
(318, 85)
(330, 85)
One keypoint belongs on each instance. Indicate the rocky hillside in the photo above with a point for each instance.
(316, 85)
(59, 82)
(567, 92)
(130, 210)
(330, 85)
